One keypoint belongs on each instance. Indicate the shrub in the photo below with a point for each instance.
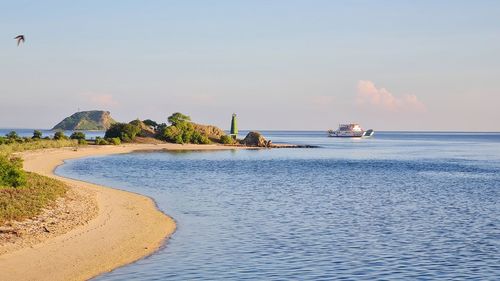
(101, 141)
(182, 131)
(37, 134)
(77, 136)
(11, 173)
(12, 135)
(82, 142)
(126, 132)
(227, 139)
(114, 141)
(59, 135)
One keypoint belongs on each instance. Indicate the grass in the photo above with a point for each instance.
(29, 199)
(18, 203)
(6, 149)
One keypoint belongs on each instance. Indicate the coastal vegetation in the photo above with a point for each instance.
(24, 194)
(126, 132)
(182, 130)
(10, 145)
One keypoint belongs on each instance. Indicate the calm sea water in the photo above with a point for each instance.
(397, 206)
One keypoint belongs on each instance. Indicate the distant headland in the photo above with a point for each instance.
(94, 120)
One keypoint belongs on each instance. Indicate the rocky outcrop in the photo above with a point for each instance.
(256, 139)
(146, 131)
(212, 132)
(86, 120)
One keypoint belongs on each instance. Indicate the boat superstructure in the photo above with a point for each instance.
(351, 130)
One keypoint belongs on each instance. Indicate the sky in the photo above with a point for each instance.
(280, 65)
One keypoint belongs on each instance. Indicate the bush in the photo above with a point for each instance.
(114, 141)
(227, 139)
(126, 132)
(77, 136)
(101, 141)
(11, 173)
(12, 135)
(37, 134)
(182, 131)
(59, 135)
(82, 142)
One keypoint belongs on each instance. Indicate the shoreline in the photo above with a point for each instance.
(128, 226)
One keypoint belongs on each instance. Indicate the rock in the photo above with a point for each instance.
(255, 139)
(212, 132)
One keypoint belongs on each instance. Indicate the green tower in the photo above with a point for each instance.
(234, 126)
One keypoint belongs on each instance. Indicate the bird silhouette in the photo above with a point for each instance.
(19, 38)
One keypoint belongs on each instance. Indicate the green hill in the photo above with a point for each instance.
(86, 120)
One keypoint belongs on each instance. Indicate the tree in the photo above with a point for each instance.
(12, 135)
(77, 136)
(150, 123)
(37, 134)
(59, 135)
(126, 132)
(177, 118)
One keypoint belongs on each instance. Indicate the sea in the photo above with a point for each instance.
(397, 206)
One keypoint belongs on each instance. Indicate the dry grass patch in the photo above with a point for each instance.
(18, 203)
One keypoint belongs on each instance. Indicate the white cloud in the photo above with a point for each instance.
(370, 95)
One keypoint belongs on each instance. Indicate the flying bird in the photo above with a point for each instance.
(19, 38)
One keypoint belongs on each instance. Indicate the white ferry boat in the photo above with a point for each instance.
(352, 130)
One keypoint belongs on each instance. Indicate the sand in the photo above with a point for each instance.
(125, 227)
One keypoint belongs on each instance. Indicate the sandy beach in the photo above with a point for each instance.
(121, 227)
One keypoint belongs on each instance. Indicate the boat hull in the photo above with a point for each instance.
(347, 134)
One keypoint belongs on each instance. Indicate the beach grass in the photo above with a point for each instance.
(9, 148)
(18, 203)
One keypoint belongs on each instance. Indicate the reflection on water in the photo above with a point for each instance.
(398, 206)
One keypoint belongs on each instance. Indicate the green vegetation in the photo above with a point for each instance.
(114, 141)
(28, 200)
(37, 134)
(227, 140)
(11, 173)
(77, 136)
(29, 144)
(12, 135)
(182, 130)
(107, 141)
(59, 135)
(126, 132)
(101, 141)
(86, 120)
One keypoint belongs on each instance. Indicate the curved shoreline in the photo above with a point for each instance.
(128, 226)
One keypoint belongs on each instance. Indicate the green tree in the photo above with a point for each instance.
(177, 118)
(150, 123)
(126, 132)
(77, 136)
(37, 134)
(227, 139)
(12, 135)
(59, 135)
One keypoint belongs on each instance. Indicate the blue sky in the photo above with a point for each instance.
(390, 65)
